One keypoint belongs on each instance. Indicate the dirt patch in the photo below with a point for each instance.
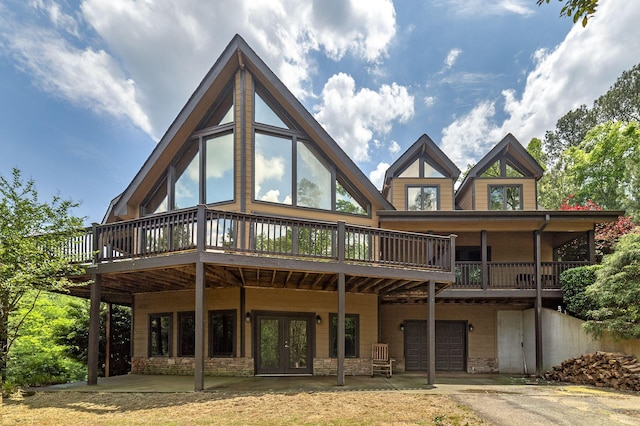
(343, 408)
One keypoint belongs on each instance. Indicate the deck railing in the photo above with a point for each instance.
(511, 275)
(180, 231)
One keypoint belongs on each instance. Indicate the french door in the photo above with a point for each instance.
(284, 343)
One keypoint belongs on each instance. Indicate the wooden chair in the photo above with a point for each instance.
(380, 361)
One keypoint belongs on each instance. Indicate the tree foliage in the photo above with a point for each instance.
(581, 10)
(574, 283)
(36, 357)
(616, 292)
(32, 235)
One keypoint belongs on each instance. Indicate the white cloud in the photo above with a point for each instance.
(480, 8)
(162, 49)
(377, 176)
(394, 148)
(87, 78)
(429, 101)
(352, 118)
(452, 57)
(576, 72)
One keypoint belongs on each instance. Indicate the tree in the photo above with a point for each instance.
(584, 9)
(33, 235)
(616, 292)
(604, 166)
(620, 103)
(574, 283)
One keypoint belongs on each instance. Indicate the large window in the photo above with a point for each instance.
(160, 334)
(505, 197)
(222, 333)
(424, 198)
(186, 334)
(420, 168)
(204, 171)
(351, 335)
(288, 170)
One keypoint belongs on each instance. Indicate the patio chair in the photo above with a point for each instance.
(380, 361)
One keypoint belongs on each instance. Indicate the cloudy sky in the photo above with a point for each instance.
(87, 87)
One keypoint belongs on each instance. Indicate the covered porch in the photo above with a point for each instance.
(200, 249)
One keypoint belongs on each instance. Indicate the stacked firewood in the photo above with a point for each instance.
(602, 369)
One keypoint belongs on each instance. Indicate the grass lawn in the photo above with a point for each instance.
(217, 408)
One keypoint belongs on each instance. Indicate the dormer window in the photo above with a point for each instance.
(423, 198)
(505, 197)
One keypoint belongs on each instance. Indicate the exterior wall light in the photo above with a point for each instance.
(318, 319)
(401, 326)
(470, 327)
(247, 317)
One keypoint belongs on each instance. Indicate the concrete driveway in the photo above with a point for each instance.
(500, 399)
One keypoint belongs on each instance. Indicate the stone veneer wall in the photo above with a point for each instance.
(185, 366)
(352, 366)
(242, 366)
(482, 365)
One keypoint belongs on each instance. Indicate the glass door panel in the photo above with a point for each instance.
(297, 350)
(269, 342)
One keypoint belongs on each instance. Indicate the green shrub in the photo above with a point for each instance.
(574, 283)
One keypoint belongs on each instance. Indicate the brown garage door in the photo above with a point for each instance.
(451, 342)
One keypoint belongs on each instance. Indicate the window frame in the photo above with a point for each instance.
(181, 316)
(233, 313)
(169, 334)
(296, 136)
(422, 187)
(504, 188)
(333, 335)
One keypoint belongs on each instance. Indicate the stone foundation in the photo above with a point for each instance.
(482, 365)
(185, 366)
(180, 366)
(352, 366)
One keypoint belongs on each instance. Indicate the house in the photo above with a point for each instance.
(250, 244)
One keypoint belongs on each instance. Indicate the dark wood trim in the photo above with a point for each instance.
(538, 302)
(431, 335)
(94, 331)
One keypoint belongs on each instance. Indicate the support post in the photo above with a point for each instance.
(94, 330)
(538, 302)
(341, 302)
(591, 244)
(431, 333)
(107, 350)
(198, 370)
(200, 318)
(485, 259)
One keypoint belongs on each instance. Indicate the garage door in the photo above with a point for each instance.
(451, 342)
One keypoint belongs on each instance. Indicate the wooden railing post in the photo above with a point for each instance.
(96, 252)
(201, 227)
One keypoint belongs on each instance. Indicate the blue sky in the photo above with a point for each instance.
(88, 87)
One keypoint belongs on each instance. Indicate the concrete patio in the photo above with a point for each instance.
(450, 383)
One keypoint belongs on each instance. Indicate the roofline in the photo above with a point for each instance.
(509, 139)
(473, 215)
(425, 140)
(249, 56)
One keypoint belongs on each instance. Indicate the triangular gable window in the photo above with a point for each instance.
(221, 113)
(412, 171)
(430, 172)
(494, 171)
(420, 168)
(265, 115)
(348, 203)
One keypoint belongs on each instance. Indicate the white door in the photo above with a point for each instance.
(510, 341)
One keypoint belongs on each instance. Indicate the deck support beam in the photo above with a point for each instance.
(538, 303)
(341, 303)
(94, 331)
(198, 371)
(431, 333)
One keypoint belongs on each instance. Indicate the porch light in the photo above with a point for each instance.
(470, 327)
(318, 319)
(247, 317)
(401, 326)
